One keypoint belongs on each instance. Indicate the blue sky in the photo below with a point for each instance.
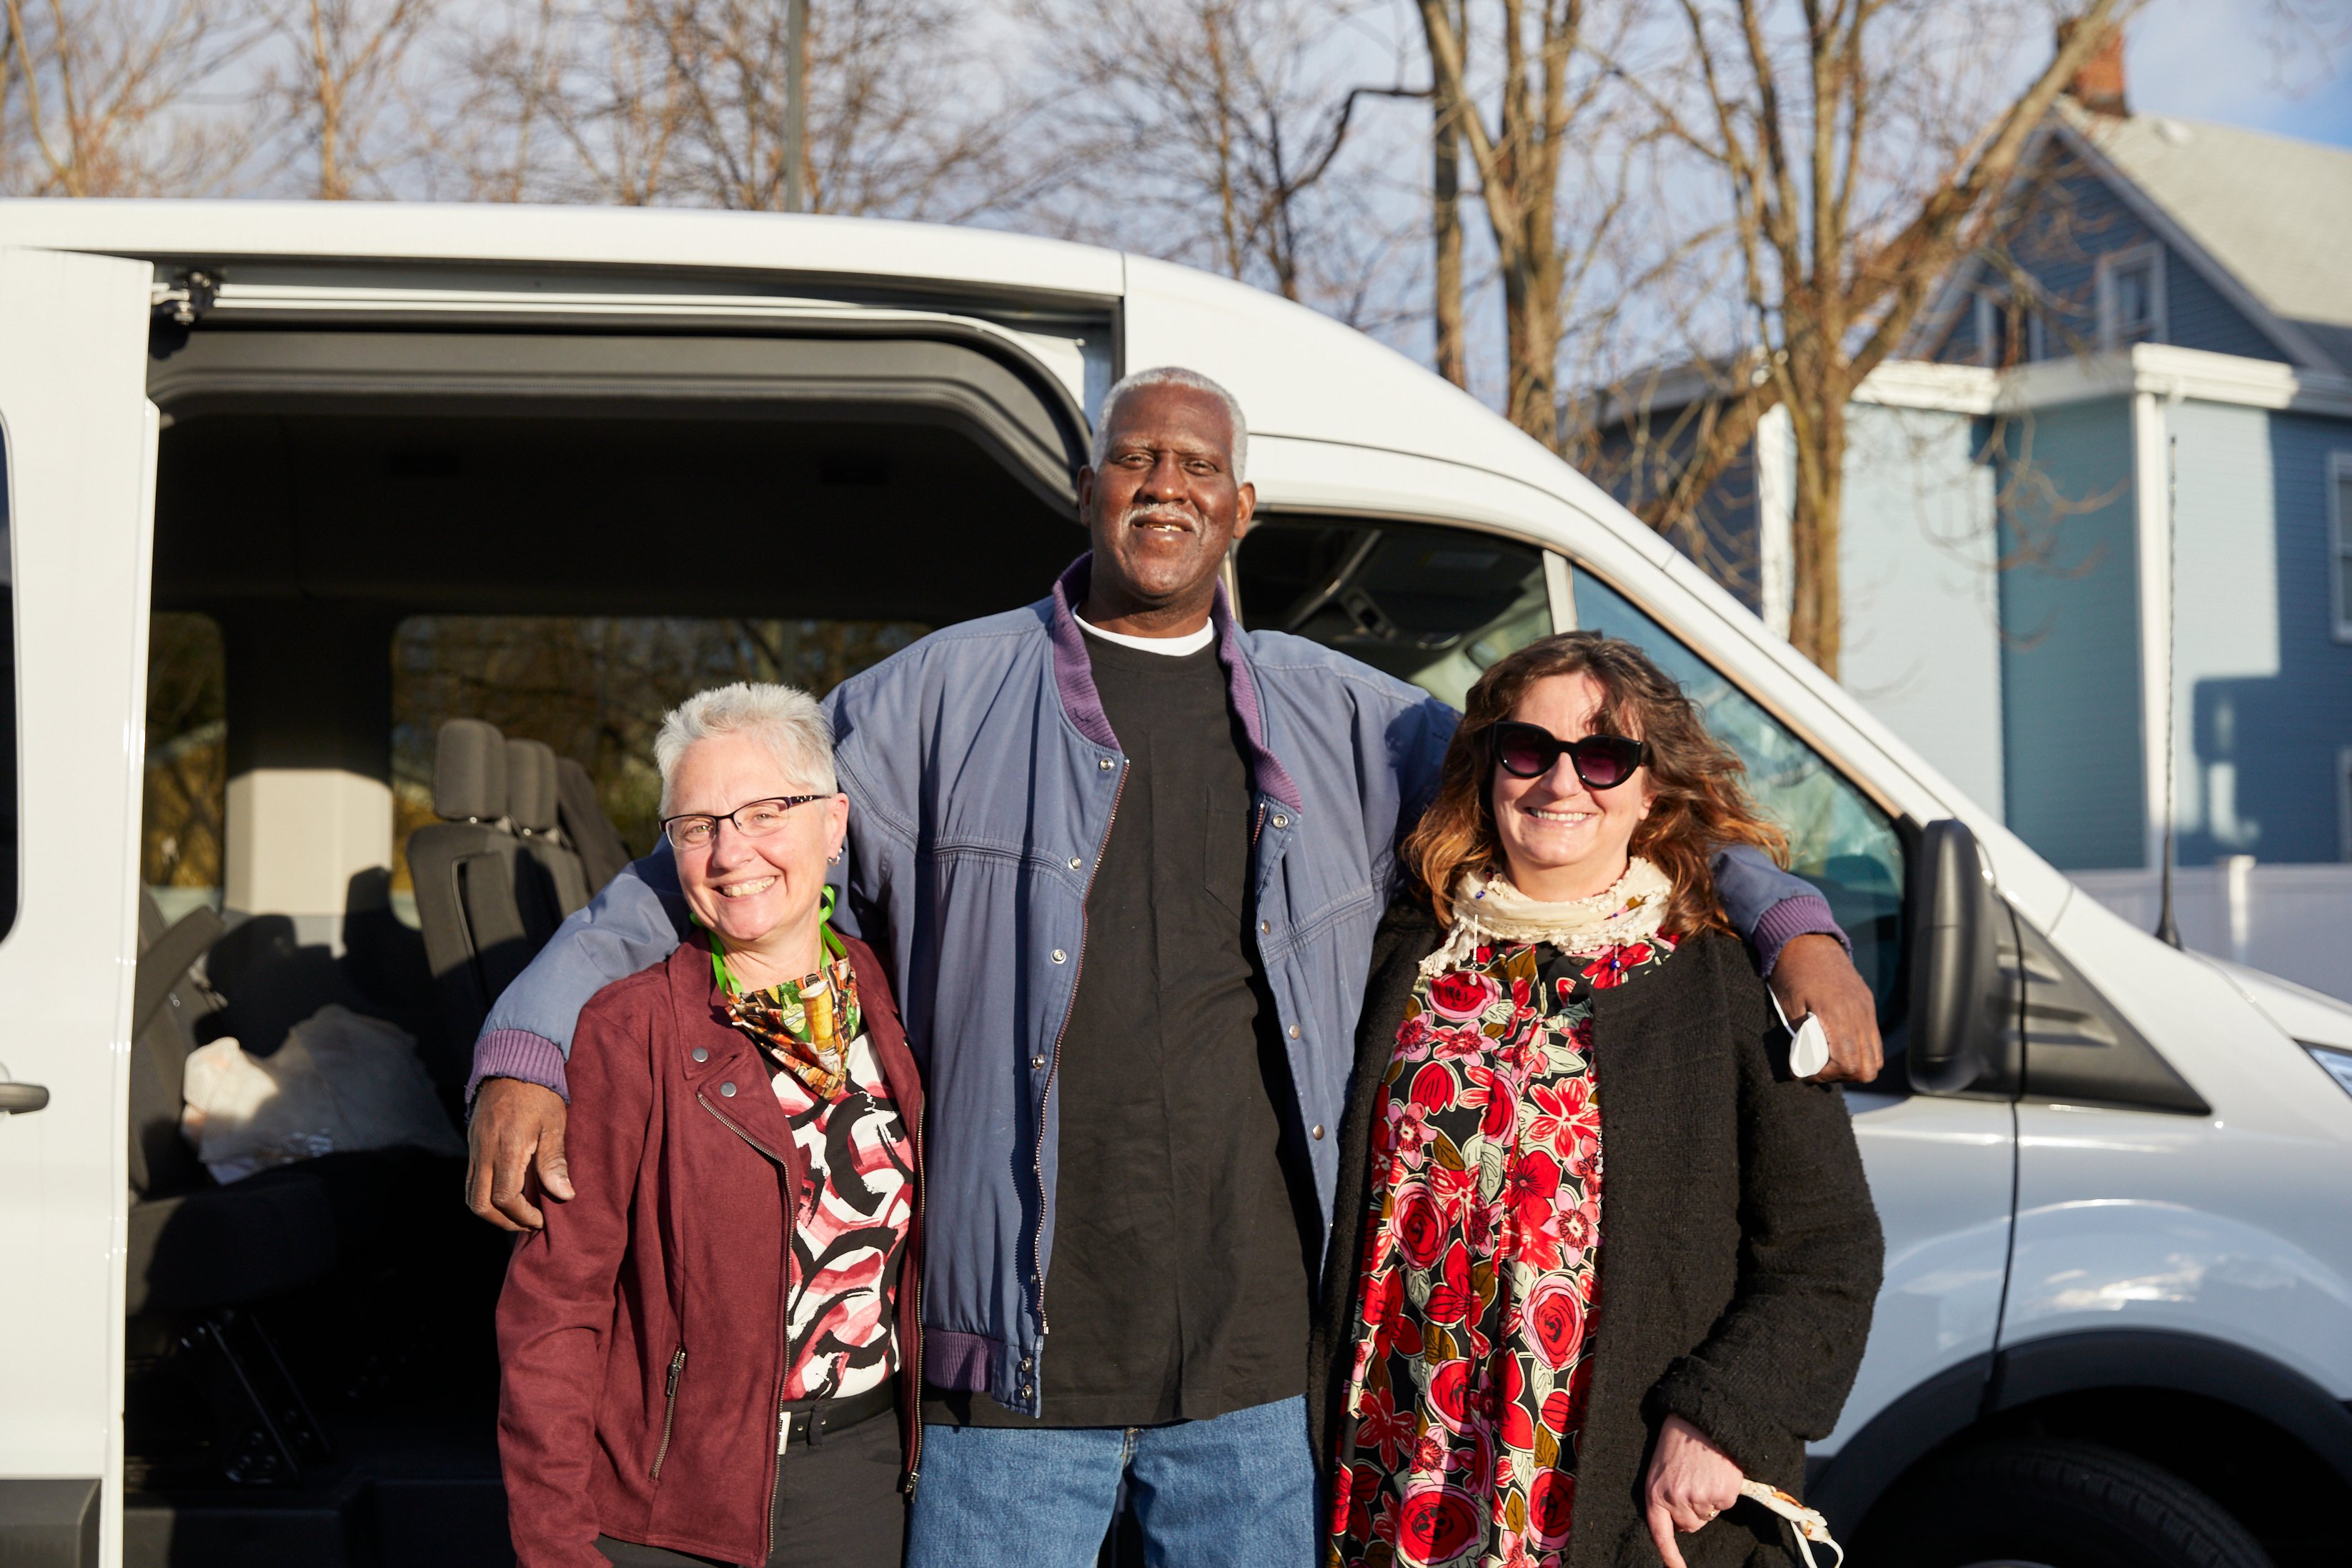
(2211, 60)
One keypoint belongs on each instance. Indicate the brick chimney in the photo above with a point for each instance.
(2098, 86)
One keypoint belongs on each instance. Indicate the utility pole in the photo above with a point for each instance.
(2165, 931)
(796, 195)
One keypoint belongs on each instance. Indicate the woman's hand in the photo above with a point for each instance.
(1691, 1481)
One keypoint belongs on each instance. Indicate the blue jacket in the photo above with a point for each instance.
(982, 778)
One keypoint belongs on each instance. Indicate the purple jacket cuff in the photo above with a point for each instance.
(1807, 914)
(518, 1053)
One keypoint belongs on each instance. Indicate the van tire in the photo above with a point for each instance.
(2057, 1502)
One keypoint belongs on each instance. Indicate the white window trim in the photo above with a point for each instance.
(2113, 261)
(2339, 541)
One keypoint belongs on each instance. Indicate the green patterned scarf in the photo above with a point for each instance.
(805, 1023)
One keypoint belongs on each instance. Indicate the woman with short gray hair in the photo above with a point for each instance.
(695, 1351)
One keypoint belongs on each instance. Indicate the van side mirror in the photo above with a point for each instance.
(1963, 1024)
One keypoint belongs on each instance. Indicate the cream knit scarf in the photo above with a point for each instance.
(1489, 911)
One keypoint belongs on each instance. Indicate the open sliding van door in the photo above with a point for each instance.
(78, 442)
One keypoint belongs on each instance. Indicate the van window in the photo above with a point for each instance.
(1431, 605)
(184, 790)
(1838, 840)
(9, 894)
(595, 688)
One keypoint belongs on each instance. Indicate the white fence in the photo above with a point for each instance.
(2293, 922)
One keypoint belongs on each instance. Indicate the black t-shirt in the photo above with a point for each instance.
(1180, 1285)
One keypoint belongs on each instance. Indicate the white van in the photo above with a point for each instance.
(2116, 1325)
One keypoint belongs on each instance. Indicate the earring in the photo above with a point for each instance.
(834, 858)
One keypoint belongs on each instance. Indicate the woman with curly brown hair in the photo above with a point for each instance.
(1597, 1259)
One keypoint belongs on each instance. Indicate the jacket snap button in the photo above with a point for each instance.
(725, 1092)
(701, 1054)
(1318, 1132)
(1280, 820)
(1037, 1062)
(1076, 862)
(1294, 1031)
(1061, 957)
(1026, 1363)
(1106, 764)
(1027, 1392)
(1265, 926)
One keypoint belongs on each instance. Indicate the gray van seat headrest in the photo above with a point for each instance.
(469, 772)
(531, 784)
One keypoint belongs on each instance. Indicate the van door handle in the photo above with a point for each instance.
(17, 1098)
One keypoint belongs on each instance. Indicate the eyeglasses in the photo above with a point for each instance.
(694, 829)
(1529, 752)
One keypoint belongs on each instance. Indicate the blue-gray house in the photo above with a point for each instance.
(2105, 500)
(2158, 371)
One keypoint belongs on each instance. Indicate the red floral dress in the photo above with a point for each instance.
(1475, 1324)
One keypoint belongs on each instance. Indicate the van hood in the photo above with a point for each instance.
(2302, 1014)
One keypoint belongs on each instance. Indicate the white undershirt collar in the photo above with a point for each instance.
(1174, 648)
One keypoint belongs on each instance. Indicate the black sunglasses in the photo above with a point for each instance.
(1530, 751)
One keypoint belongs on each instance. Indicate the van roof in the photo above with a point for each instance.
(508, 233)
(1297, 371)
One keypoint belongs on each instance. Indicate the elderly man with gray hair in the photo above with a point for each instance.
(1124, 859)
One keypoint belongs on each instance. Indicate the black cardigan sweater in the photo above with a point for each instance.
(1739, 1255)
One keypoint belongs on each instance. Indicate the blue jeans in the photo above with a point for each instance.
(1238, 1489)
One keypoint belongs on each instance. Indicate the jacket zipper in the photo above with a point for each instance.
(736, 1127)
(669, 1407)
(1054, 1069)
(776, 1394)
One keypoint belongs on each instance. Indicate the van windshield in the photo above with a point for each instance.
(1431, 605)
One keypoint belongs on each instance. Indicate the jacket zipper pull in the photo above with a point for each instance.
(676, 1370)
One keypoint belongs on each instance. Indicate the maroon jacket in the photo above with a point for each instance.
(641, 1335)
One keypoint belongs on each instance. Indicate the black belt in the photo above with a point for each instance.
(811, 1421)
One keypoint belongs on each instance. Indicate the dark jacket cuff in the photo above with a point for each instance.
(1807, 914)
(1699, 1395)
(518, 1053)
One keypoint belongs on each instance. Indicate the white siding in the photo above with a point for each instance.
(2227, 628)
(1921, 623)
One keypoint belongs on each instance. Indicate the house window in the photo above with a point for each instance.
(2131, 297)
(2339, 540)
(2009, 334)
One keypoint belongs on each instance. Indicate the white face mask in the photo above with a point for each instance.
(1808, 1043)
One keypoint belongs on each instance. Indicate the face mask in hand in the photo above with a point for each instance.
(1808, 1043)
(1806, 1524)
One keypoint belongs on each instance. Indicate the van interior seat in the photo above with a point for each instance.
(587, 829)
(533, 793)
(486, 899)
(195, 1245)
(200, 1254)
(356, 1257)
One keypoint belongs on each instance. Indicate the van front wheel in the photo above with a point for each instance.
(2053, 1502)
